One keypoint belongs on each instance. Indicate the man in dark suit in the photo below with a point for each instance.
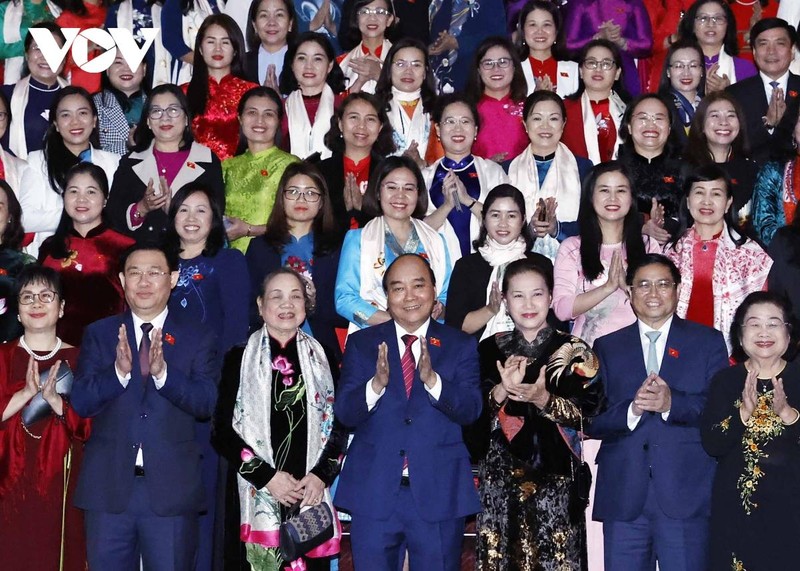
(144, 377)
(407, 387)
(654, 478)
(771, 99)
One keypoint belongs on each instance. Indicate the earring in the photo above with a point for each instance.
(18, 319)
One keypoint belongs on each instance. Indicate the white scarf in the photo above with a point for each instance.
(161, 55)
(373, 259)
(499, 256)
(566, 77)
(563, 181)
(406, 130)
(616, 109)
(260, 513)
(306, 139)
(726, 66)
(11, 33)
(357, 52)
(19, 101)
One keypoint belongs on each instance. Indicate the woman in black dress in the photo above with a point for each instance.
(540, 384)
(750, 424)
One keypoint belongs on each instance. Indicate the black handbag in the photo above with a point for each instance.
(38, 408)
(304, 530)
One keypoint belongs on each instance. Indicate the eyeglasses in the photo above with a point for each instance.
(402, 64)
(502, 63)
(45, 296)
(392, 188)
(712, 20)
(308, 194)
(173, 112)
(645, 118)
(373, 12)
(690, 65)
(645, 286)
(137, 275)
(451, 122)
(605, 65)
(769, 325)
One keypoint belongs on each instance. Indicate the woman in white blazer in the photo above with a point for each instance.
(71, 138)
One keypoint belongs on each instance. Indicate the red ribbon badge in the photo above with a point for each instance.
(435, 342)
(191, 165)
(792, 93)
(669, 179)
(673, 353)
(169, 338)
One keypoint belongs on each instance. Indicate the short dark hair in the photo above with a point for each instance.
(649, 260)
(284, 271)
(552, 8)
(505, 191)
(215, 240)
(771, 24)
(170, 257)
(143, 135)
(51, 27)
(251, 37)
(383, 89)
(664, 85)
(259, 91)
(371, 204)
(697, 150)
(475, 86)
(14, 233)
(543, 95)
(756, 298)
(524, 266)
(671, 145)
(616, 54)
(36, 274)
(385, 280)
(444, 101)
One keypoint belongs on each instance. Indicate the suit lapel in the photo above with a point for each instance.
(669, 361)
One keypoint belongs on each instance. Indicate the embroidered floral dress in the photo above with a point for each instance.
(755, 502)
(529, 522)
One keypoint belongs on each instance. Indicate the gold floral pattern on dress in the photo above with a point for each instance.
(763, 426)
(736, 564)
(724, 424)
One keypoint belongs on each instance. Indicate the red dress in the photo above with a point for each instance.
(218, 127)
(32, 476)
(90, 276)
(95, 17)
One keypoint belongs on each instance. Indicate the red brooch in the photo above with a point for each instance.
(264, 172)
(197, 277)
(435, 342)
(3, 272)
(191, 165)
(734, 181)
(169, 338)
(673, 353)
(473, 175)
(792, 93)
(669, 179)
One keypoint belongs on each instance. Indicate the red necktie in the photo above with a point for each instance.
(409, 363)
(144, 350)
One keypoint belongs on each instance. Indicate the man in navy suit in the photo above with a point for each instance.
(407, 387)
(771, 99)
(654, 478)
(144, 377)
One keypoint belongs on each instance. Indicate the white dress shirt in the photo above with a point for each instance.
(661, 346)
(435, 392)
(783, 83)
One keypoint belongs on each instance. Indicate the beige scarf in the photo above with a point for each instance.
(305, 138)
(260, 511)
(373, 259)
(563, 182)
(499, 256)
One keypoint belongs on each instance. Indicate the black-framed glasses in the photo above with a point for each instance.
(45, 296)
(308, 194)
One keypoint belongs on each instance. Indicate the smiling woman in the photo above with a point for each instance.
(85, 252)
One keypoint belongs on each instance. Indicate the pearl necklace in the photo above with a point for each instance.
(36, 357)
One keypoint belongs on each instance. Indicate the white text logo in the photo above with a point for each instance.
(110, 40)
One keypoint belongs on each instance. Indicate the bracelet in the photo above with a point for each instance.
(796, 418)
(474, 202)
(249, 231)
(135, 212)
